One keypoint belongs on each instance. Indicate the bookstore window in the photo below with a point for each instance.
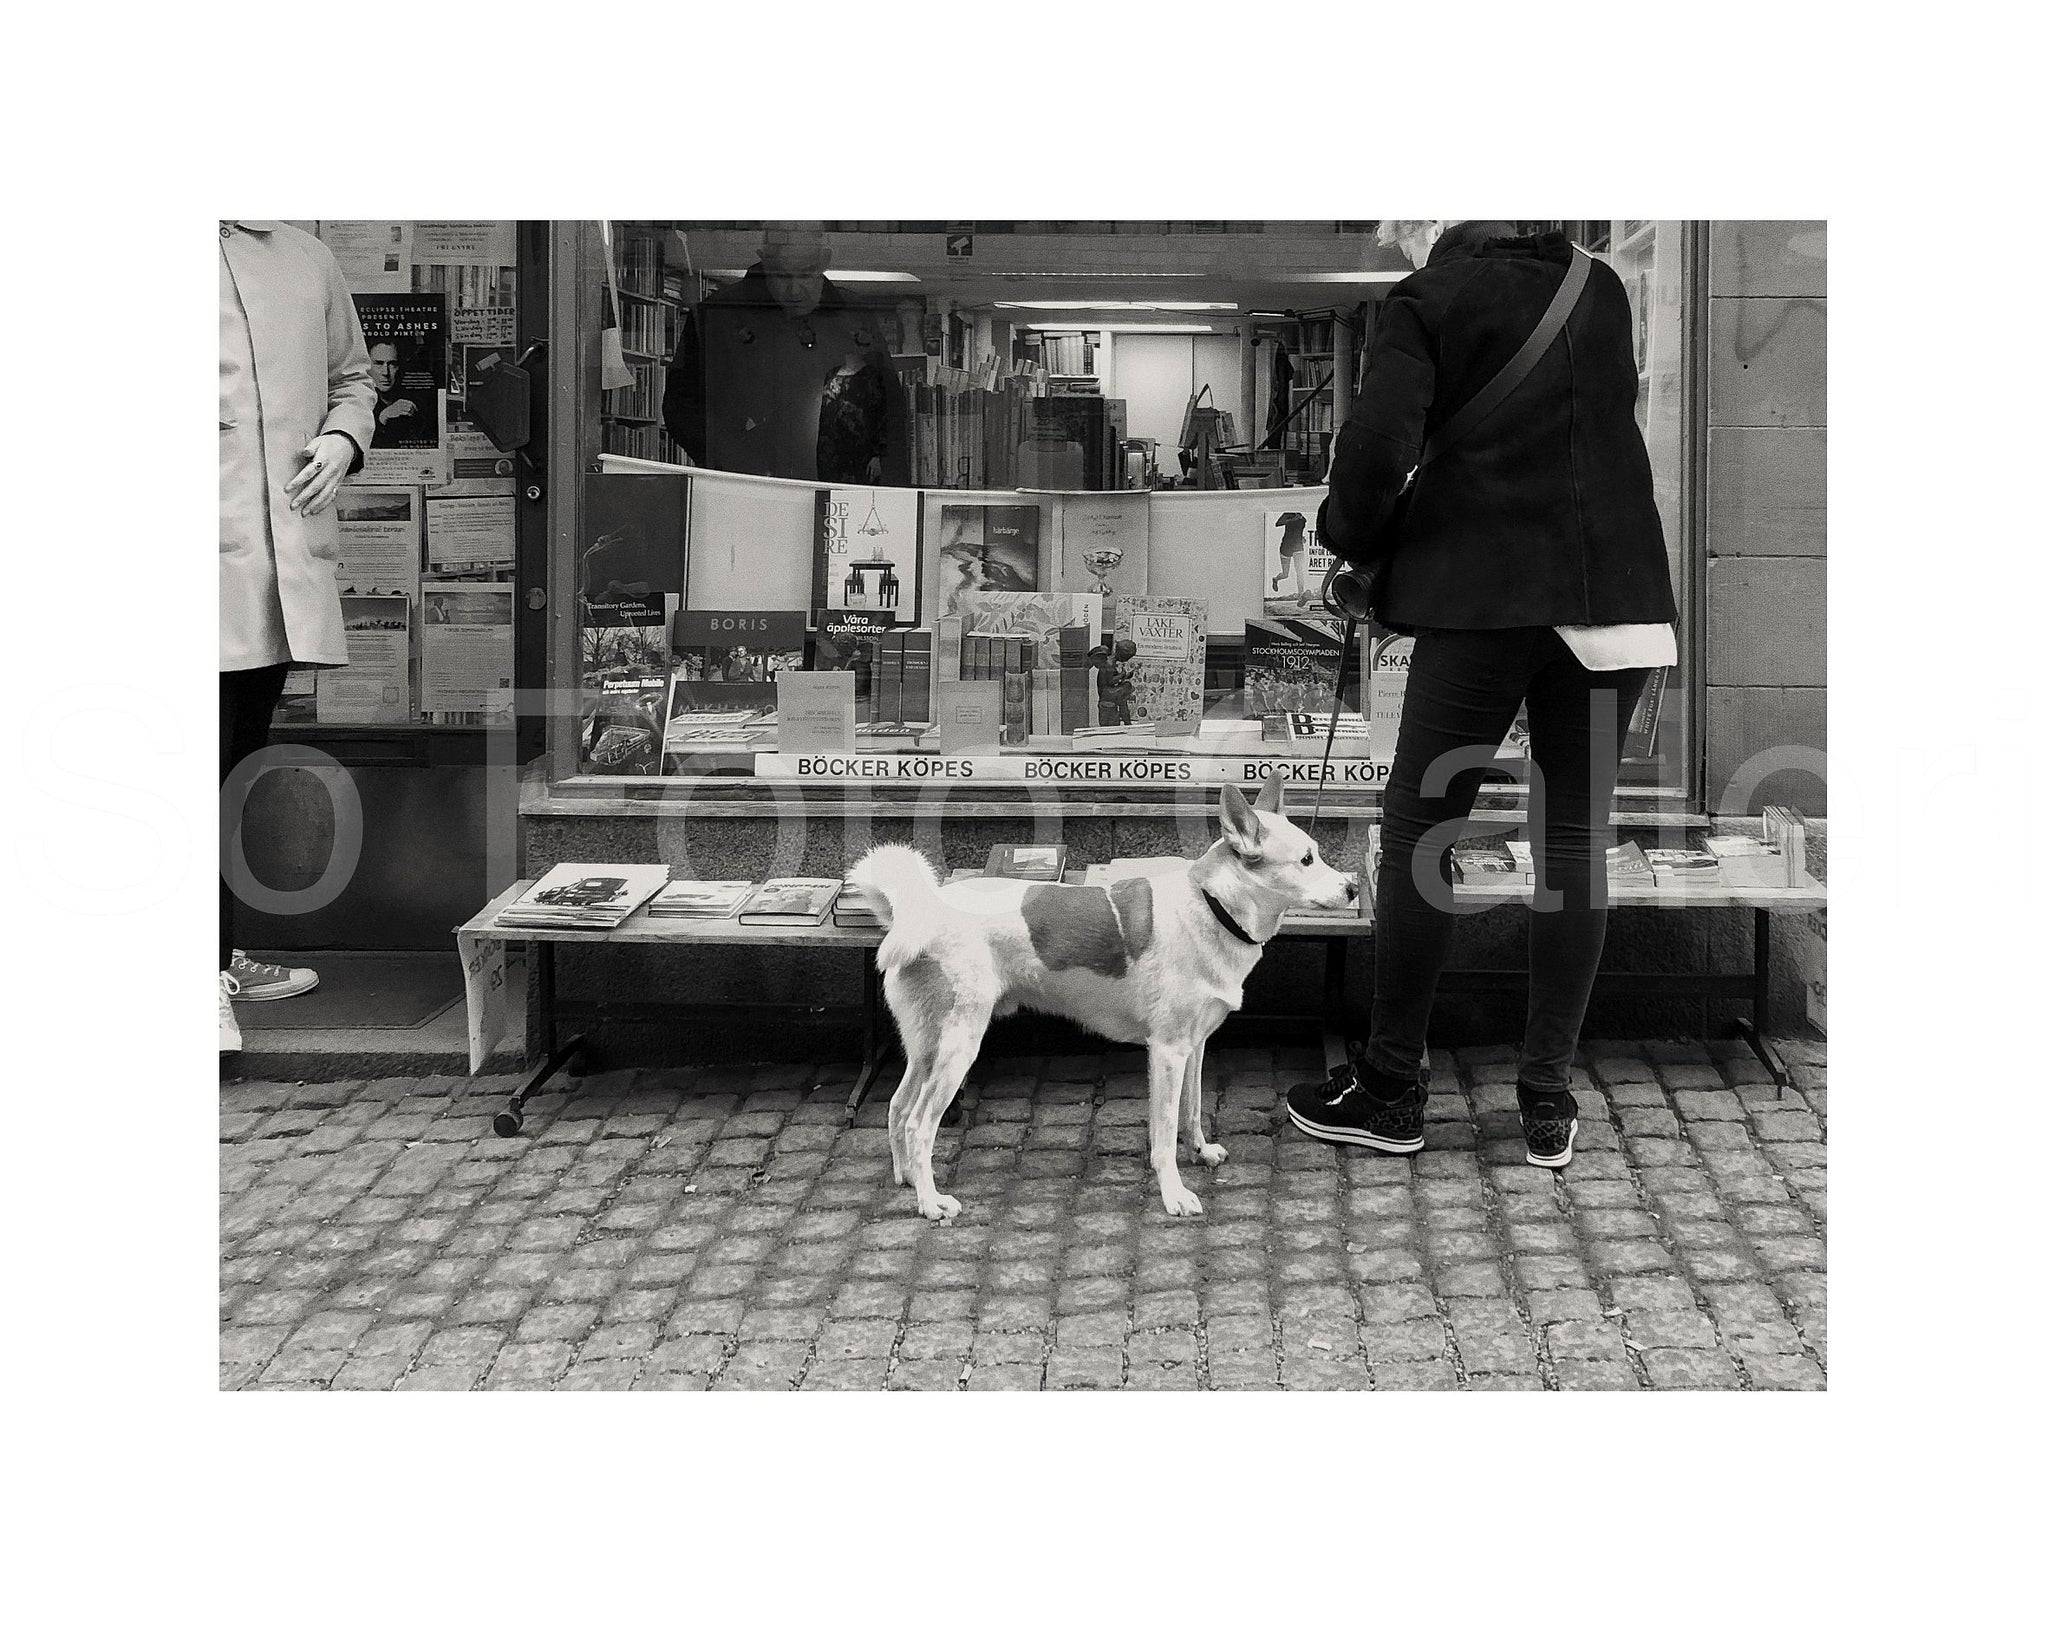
(428, 532)
(1022, 504)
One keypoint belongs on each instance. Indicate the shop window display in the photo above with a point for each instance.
(1073, 475)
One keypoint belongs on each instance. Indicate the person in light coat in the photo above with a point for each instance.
(297, 410)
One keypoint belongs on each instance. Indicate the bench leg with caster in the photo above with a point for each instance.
(507, 1122)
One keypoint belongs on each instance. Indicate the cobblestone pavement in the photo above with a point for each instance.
(726, 1228)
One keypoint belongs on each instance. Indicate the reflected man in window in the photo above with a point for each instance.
(779, 374)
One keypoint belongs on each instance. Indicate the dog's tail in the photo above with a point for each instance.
(906, 893)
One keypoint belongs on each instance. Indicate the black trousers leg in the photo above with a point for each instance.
(1463, 692)
(1576, 722)
(247, 700)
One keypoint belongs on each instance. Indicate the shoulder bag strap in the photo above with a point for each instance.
(1490, 397)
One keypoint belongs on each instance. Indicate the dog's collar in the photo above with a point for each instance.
(1229, 921)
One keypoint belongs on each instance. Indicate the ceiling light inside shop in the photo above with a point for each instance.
(1131, 307)
(1121, 329)
(839, 275)
(1386, 277)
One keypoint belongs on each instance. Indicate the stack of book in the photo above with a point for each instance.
(856, 908)
(1779, 855)
(791, 902)
(587, 897)
(699, 901)
(1785, 829)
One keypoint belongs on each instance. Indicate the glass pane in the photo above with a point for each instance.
(908, 436)
(1650, 258)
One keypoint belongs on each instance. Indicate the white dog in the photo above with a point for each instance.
(1160, 960)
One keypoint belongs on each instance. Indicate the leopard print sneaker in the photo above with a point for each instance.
(1550, 1121)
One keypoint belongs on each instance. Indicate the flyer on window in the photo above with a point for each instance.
(374, 257)
(375, 685)
(407, 336)
(466, 648)
(482, 244)
(380, 540)
(469, 534)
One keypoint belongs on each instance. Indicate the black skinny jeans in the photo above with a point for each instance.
(1463, 690)
(247, 700)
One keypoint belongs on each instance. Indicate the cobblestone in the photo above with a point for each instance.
(725, 1228)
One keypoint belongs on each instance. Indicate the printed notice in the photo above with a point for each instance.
(374, 257)
(475, 244)
(814, 711)
(374, 686)
(469, 533)
(466, 648)
(380, 540)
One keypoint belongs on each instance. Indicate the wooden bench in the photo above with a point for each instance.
(1752, 884)
(483, 938)
(1743, 884)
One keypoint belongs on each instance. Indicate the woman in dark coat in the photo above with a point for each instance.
(1530, 563)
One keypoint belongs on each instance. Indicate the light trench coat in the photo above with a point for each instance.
(292, 366)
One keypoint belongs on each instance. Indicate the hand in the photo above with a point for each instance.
(328, 459)
(395, 410)
(874, 473)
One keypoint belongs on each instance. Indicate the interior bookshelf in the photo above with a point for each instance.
(1319, 349)
(650, 311)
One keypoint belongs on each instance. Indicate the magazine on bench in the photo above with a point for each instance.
(591, 897)
(791, 902)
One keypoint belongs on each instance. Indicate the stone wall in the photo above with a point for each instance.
(1766, 615)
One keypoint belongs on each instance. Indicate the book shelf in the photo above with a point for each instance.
(650, 310)
(1313, 348)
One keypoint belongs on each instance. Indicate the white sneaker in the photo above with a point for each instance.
(267, 982)
(230, 1032)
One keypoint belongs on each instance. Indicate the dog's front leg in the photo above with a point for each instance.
(1169, 1065)
(1212, 1155)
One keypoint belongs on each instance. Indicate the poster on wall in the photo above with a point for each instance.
(1295, 564)
(380, 540)
(408, 343)
(867, 553)
(987, 549)
(466, 648)
(375, 685)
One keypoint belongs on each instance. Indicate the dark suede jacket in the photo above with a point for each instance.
(1543, 515)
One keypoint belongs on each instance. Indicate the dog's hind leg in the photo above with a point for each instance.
(1212, 1155)
(959, 1041)
(1169, 1067)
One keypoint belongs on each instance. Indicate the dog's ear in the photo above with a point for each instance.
(1272, 796)
(1240, 824)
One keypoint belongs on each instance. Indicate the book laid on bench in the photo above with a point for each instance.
(855, 908)
(700, 901)
(585, 897)
(1028, 861)
(791, 902)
